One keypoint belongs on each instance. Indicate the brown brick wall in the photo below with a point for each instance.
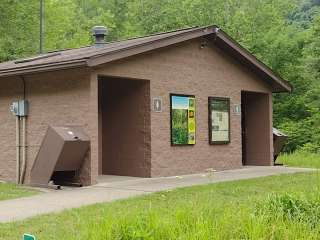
(71, 97)
(56, 98)
(187, 69)
(10, 90)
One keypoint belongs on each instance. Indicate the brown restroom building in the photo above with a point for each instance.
(120, 94)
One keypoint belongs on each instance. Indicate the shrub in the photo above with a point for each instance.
(309, 148)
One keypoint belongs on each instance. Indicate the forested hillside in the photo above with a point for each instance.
(285, 34)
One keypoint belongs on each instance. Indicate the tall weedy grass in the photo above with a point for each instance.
(300, 159)
(292, 208)
(279, 216)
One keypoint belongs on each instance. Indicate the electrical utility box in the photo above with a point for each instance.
(20, 108)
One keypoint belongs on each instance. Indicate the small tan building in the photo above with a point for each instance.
(167, 104)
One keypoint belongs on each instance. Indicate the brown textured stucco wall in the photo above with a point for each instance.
(188, 69)
(55, 98)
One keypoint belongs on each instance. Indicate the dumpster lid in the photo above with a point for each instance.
(279, 133)
(70, 132)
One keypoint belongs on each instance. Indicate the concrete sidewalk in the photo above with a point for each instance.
(112, 188)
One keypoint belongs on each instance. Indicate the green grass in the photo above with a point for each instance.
(277, 207)
(10, 191)
(300, 159)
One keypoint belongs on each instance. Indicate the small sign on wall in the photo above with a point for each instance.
(236, 109)
(157, 104)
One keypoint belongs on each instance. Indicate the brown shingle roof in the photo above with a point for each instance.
(84, 53)
(93, 55)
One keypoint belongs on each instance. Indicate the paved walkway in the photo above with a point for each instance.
(111, 188)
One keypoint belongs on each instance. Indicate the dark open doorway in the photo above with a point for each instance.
(256, 127)
(124, 127)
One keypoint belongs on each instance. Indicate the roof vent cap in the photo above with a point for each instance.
(99, 32)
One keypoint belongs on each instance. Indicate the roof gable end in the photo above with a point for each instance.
(92, 56)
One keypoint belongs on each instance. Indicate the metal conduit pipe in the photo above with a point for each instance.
(17, 149)
(24, 157)
(23, 165)
(20, 110)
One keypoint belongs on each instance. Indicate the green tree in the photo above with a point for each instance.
(18, 25)
(285, 34)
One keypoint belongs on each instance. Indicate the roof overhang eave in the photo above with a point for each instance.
(43, 68)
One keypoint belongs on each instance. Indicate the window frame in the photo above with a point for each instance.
(211, 141)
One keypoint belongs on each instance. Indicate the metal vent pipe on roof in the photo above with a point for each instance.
(99, 32)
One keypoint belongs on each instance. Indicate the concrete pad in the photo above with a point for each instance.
(165, 183)
(112, 188)
(114, 178)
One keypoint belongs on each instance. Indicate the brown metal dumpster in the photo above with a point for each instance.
(61, 154)
(279, 140)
